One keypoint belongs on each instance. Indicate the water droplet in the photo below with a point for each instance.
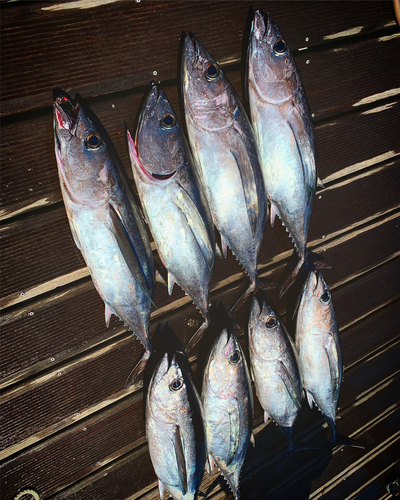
(154, 73)
(59, 374)
(31, 313)
(22, 294)
(307, 39)
(308, 61)
(52, 359)
(323, 236)
(113, 105)
(313, 115)
(84, 429)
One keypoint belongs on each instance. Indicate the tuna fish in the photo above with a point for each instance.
(175, 430)
(275, 369)
(223, 145)
(179, 221)
(228, 407)
(284, 132)
(317, 342)
(104, 219)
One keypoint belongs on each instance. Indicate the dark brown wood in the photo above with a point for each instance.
(61, 48)
(70, 428)
(58, 462)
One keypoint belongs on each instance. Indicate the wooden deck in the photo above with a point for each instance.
(70, 429)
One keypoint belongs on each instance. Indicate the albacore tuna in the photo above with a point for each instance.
(223, 144)
(318, 345)
(284, 132)
(174, 429)
(275, 368)
(104, 219)
(228, 407)
(179, 221)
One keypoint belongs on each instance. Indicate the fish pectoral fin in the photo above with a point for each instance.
(74, 232)
(125, 244)
(249, 188)
(305, 147)
(334, 364)
(180, 459)
(197, 224)
(289, 383)
(234, 424)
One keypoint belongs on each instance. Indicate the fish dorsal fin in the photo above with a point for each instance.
(289, 383)
(118, 230)
(180, 459)
(249, 187)
(197, 225)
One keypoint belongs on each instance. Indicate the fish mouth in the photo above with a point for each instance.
(192, 51)
(65, 110)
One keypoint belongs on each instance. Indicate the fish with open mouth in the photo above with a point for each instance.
(223, 145)
(105, 222)
(284, 132)
(227, 407)
(318, 345)
(174, 206)
(275, 369)
(175, 430)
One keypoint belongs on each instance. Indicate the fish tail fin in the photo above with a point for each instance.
(138, 368)
(342, 440)
(293, 275)
(308, 261)
(197, 336)
(337, 440)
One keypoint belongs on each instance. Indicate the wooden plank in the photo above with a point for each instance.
(51, 253)
(269, 444)
(97, 379)
(29, 178)
(59, 461)
(72, 320)
(117, 35)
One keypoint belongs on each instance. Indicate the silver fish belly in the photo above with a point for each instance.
(274, 366)
(180, 223)
(174, 430)
(283, 129)
(104, 220)
(223, 145)
(317, 342)
(227, 407)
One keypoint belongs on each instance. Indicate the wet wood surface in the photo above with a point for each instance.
(70, 428)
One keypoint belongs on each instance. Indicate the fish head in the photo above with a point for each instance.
(159, 140)
(168, 397)
(207, 93)
(82, 155)
(271, 67)
(226, 365)
(316, 301)
(266, 330)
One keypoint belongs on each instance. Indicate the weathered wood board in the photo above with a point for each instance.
(70, 428)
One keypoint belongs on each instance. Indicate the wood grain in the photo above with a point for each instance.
(44, 48)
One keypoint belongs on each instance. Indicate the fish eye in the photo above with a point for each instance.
(234, 358)
(212, 71)
(176, 384)
(93, 141)
(271, 322)
(167, 121)
(325, 296)
(280, 46)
